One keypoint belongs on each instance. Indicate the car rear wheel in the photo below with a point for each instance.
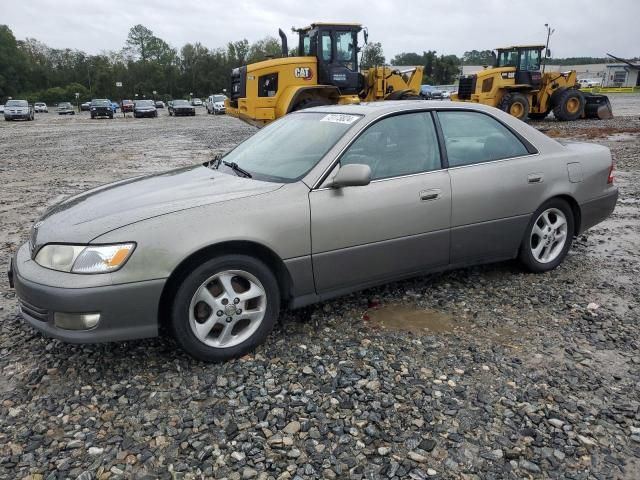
(548, 236)
(225, 308)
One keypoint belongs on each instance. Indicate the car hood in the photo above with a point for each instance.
(84, 217)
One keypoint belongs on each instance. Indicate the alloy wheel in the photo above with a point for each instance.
(227, 308)
(548, 235)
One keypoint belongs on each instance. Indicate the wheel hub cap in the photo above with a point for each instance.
(549, 235)
(227, 308)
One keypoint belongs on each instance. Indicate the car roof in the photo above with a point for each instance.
(391, 106)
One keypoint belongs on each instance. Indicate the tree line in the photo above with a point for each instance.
(146, 63)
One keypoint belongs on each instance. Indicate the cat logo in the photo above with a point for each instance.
(303, 72)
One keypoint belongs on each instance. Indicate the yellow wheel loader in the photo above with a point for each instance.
(517, 85)
(325, 72)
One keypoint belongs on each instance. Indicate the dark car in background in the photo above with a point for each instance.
(101, 107)
(18, 110)
(127, 106)
(181, 107)
(65, 108)
(159, 104)
(144, 108)
(85, 107)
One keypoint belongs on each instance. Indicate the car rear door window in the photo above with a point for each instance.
(474, 137)
(400, 145)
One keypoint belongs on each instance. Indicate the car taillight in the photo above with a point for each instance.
(611, 170)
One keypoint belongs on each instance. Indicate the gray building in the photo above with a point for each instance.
(622, 75)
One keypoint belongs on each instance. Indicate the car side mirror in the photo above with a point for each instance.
(352, 175)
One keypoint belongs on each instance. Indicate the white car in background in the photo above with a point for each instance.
(215, 104)
(196, 102)
(1, 108)
(588, 83)
(41, 107)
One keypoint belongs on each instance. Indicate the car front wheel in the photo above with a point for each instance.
(548, 237)
(225, 308)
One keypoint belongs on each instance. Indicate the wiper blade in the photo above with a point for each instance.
(234, 166)
(215, 161)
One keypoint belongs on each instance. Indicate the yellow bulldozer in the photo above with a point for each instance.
(324, 72)
(517, 85)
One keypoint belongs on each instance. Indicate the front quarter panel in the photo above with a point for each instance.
(278, 220)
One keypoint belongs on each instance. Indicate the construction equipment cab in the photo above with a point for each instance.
(517, 85)
(324, 72)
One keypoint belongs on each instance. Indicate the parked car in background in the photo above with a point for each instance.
(144, 108)
(18, 110)
(215, 249)
(65, 108)
(215, 104)
(446, 94)
(181, 107)
(127, 106)
(159, 104)
(1, 108)
(426, 91)
(101, 107)
(588, 83)
(85, 107)
(196, 102)
(41, 107)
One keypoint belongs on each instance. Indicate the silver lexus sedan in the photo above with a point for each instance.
(323, 202)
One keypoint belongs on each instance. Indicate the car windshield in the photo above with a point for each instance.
(101, 103)
(285, 150)
(180, 102)
(64, 104)
(144, 103)
(219, 98)
(40, 104)
(17, 103)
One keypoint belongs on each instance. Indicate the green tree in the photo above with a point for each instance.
(372, 55)
(482, 57)
(139, 42)
(268, 47)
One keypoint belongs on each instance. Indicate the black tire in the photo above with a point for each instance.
(193, 114)
(515, 104)
(568, 104)
(180, 327)
(538, 116)
(309, 103)
(73, 113)
(526, 256)
(93, 116)
(111, 116)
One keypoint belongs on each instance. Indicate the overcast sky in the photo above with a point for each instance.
(583, 28)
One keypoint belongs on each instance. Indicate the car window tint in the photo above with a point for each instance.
(398, 145)
(473, 137)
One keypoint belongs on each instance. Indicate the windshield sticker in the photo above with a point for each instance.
(339, 118)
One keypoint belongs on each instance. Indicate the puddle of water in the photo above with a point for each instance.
(409, 319)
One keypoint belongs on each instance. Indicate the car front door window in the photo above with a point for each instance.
(400, 145)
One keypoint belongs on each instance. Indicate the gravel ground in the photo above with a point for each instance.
(494, 373)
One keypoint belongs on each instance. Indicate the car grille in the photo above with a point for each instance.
(467, 86)
(38, 313)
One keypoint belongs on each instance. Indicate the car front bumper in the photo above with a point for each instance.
(102, 112)
(146, 113)
(596, 210)
(17, 116)
(127, 311)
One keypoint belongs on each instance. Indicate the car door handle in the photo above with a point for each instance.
(535, 178)
(431, 194)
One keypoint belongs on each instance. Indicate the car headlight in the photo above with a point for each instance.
(84, 258)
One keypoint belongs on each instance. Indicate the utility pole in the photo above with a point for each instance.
(546, 48)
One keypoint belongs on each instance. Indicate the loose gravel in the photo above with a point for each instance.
(497, 373)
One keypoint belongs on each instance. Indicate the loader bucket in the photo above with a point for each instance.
(597, 106)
